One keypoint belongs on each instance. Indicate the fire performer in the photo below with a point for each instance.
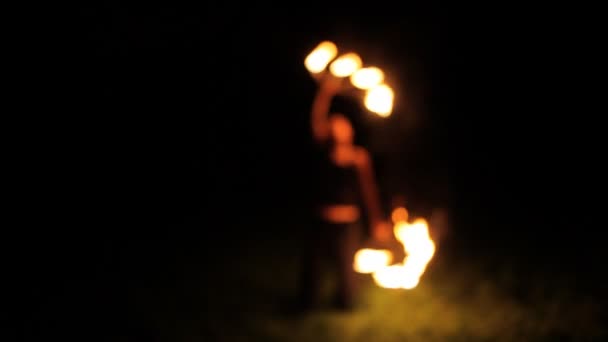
(346, 180)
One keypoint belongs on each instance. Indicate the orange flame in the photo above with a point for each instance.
(318, 59)
(345, 65)
(366, 78)
(419, 249)
(369, 260)
(379, 100)
(399, 215)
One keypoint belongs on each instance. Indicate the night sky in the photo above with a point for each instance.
(200, 114)
(194, 103)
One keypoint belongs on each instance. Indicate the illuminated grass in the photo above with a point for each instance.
(456, 301)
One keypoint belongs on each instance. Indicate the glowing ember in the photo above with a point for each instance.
(369, 260)
(379, 100)
(399, 215)
(345, 65)
(419, 248)
(367, 77)
(400, 276)
(318, 59)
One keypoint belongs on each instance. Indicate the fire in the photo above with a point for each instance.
(345, 65)
(379, 99)
(399, 215)
(366, 78)
(318, 59)
(419, 248)
(400, 276)
(369, 260)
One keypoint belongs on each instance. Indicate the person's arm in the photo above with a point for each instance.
(320, 108)
(369, 192)
(319, 114)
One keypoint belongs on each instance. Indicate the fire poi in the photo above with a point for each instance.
(378, 97)
(419, 249)
(412, 236)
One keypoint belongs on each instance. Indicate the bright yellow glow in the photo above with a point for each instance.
(370, 260)
(345, 65)
(367, 77)
(397, 277)
(379, 100)
(390, 277)
(419, 248)
(318, 59)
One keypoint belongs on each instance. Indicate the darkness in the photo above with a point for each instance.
(191, 119)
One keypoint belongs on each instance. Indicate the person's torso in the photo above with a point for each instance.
(337, 184)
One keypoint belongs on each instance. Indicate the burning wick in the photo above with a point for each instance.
(419, 249)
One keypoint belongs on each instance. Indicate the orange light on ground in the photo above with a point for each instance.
(367, 78)
(369, 260)
(379, 100)
(345, 65)
(317, 60)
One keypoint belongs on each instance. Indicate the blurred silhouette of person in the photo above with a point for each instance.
(345, 180)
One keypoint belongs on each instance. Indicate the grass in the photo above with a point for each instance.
(459, 299)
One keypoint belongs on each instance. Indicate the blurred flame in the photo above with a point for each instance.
(419, 248)
(318, 59)
(369, 260)
(379, 100)
(397, 277)
(367, 77)
(400, 214)
(416, 241)
(345, 65)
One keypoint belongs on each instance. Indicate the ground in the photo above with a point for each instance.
(235, 292)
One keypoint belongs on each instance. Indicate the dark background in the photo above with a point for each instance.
(193, 119)
(194, 110)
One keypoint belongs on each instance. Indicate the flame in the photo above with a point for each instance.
(367, 77)
(379, 100)
(419, 248)
(345, 65)
(400, 214)
(398, 276)
(318, 59)
(369, 260)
